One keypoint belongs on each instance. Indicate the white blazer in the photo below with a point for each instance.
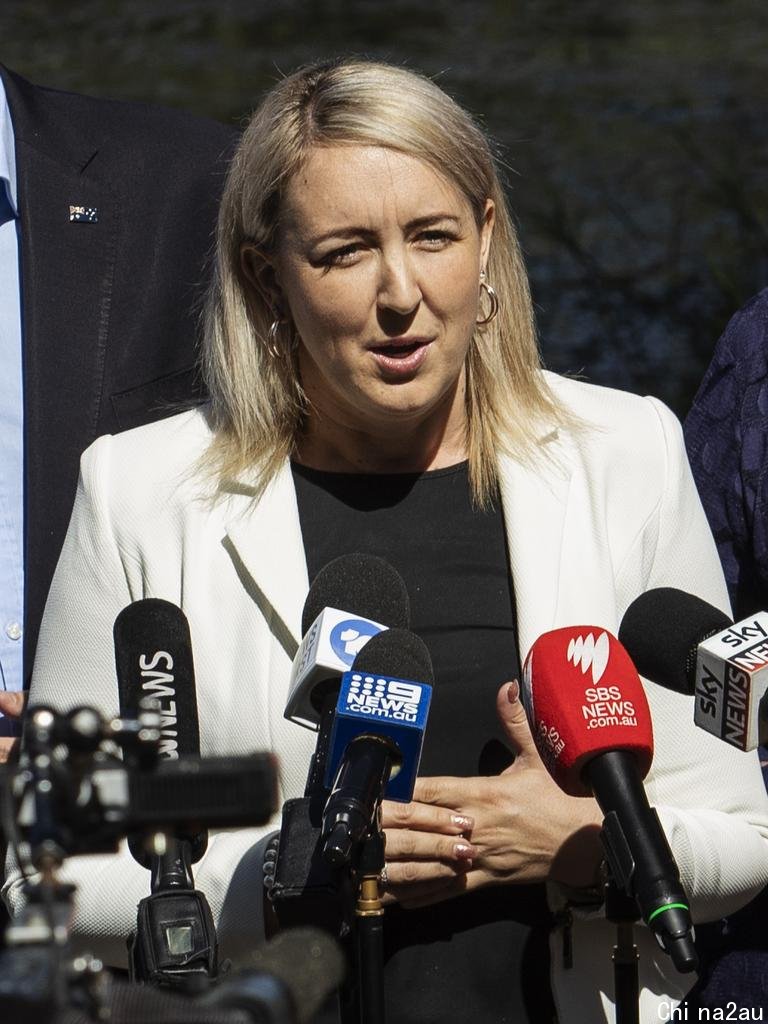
(601, 515)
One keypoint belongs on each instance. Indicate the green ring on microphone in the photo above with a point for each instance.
(669, 906)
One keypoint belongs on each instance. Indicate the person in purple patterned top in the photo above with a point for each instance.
(726, 434)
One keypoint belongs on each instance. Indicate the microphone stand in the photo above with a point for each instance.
(369, 927)
(622, 911)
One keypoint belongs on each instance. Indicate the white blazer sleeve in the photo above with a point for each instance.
(95, 579)
(710, 797)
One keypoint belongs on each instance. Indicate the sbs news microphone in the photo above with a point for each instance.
(303, 887)
(592, 726)
(687, 645)
(175, 939)
(378, 734)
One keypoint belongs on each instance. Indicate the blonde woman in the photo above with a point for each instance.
(375, 386)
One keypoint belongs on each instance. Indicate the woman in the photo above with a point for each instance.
(375, 386)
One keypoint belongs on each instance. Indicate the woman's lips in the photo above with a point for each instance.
(402, 357)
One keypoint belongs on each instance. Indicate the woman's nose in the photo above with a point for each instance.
(399, 290)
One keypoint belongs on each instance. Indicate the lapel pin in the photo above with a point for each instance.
(84, 215)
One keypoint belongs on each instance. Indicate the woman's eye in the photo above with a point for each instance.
(339, 257)
(434, 239)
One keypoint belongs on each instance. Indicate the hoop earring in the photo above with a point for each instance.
(493, 298)
(272, 346)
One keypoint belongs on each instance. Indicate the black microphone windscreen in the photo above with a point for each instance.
(661, 631)
(364, 585)
(398, 653)
(308, 962)
(153, 658)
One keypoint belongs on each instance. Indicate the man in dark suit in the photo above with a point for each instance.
(114, 210)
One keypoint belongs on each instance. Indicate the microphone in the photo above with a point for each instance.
(293, 975)
(333, 638)
(592, 727)
(175, 939)
(687, 645)
(378, 734)
(153, 659)
(304, 888)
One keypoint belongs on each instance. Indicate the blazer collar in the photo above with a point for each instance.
(266, 544)
(534, 498)
(42, 119)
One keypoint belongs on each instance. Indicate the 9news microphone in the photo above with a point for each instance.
(175, 939)
(378, 734)
(684, 644)
(592, 726)
(304, 888)
(375, 597)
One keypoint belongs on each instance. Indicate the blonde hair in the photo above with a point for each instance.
(257, 403)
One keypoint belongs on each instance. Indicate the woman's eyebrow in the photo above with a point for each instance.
(353, 231)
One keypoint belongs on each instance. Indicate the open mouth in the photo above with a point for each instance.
(398, 351)
(399, 359)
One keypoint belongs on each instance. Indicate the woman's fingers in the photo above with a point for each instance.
(408, 845)
(425, 818)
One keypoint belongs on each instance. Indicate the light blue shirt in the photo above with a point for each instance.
(11, 417)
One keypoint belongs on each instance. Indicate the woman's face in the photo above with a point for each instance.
(378, 265)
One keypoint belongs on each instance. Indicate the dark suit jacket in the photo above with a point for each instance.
(109, 308)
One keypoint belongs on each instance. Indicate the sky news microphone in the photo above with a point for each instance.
(592, 726)
(378, 734)
(687, 645)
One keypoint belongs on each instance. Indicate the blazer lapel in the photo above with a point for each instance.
(266, 545)
(535, 500)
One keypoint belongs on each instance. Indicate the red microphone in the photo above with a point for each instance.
(584, 697)
(592, 725)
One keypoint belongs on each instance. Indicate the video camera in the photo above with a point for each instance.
(82, 784)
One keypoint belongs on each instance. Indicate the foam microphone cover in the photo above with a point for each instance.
(365, 585)
(584, 697)
(304, 962)
(399, 653)
(386, 694)
(153, 658)
(661, 631)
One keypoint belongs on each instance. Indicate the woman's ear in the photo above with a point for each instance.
(486, 231)
(259, 270)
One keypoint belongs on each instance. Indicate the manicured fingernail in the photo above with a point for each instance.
(513, 692)
(462, 821)
(463, 851)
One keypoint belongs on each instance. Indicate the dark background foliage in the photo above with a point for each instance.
(633, 135)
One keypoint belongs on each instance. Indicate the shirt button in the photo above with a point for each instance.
(13, 631)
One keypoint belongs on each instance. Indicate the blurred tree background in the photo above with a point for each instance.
(632, 135)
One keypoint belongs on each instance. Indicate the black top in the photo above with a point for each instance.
(486, 950)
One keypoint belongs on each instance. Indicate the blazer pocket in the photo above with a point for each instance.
(156, 399)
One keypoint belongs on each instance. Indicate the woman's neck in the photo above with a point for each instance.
(401, 449)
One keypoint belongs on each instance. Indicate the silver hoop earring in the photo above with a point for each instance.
(492, 297)
(272, 346)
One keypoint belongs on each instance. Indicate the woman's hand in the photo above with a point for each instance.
(520, 827)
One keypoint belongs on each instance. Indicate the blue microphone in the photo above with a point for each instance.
(378, 734)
